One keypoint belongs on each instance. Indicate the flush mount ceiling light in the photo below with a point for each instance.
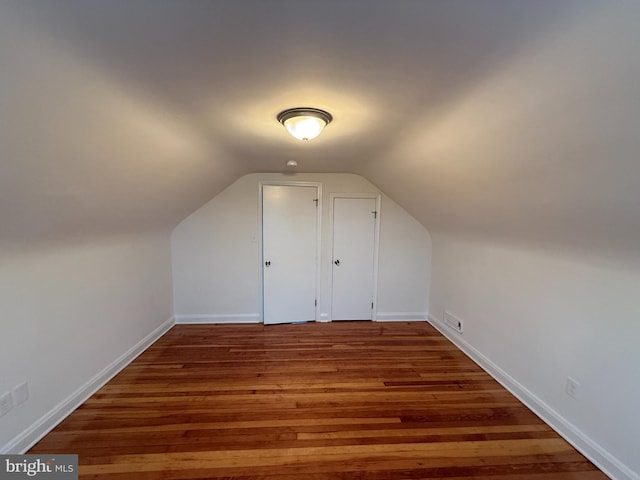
(304, 123)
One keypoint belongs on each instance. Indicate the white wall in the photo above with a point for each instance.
(404, 268)
(69, 313)
(543, 151)
(88, 152)
(540, 317)
(528, 183)
(216, 256)
(91, 165)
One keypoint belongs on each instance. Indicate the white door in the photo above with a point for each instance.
(354, 230)
(289, 243)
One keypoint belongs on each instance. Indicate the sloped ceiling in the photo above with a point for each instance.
(512, 119)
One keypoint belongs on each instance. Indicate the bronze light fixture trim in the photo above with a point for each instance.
(304, 123)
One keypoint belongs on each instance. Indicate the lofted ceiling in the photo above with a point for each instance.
(124, 115)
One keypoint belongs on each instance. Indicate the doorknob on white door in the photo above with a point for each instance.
(267, 263)
(337, 262)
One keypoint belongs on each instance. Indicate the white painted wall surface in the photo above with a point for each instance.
(404, 266)
(85, 152)
(71, 311)
(540, 159)
(541, 317)
(216, 256)
(543, 151)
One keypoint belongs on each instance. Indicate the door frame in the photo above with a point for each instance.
(376, 246)
(284, 183)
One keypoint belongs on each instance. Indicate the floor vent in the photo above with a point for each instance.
(453, 322)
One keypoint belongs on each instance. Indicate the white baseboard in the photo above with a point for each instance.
(57, 414)
(401, 317)
(218, 318)
(604, 460)
(324, 318)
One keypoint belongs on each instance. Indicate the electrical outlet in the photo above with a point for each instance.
(6, 403)
(20, 394)
(572, 387)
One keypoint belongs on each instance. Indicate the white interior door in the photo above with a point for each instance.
(289, 243)
(354, 230)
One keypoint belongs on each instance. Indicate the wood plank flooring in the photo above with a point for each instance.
(352, 400)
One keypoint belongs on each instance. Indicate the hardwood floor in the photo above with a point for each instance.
(353, 400)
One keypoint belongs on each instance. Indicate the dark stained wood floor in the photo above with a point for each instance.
(353, 400)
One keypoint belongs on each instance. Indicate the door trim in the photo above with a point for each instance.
(376, 247)
(318, 187)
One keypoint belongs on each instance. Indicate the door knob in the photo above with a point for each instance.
(337, 262)
(267, 263)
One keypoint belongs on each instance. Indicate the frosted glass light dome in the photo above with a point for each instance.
(304, 123)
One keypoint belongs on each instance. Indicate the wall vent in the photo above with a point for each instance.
(453, 322)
